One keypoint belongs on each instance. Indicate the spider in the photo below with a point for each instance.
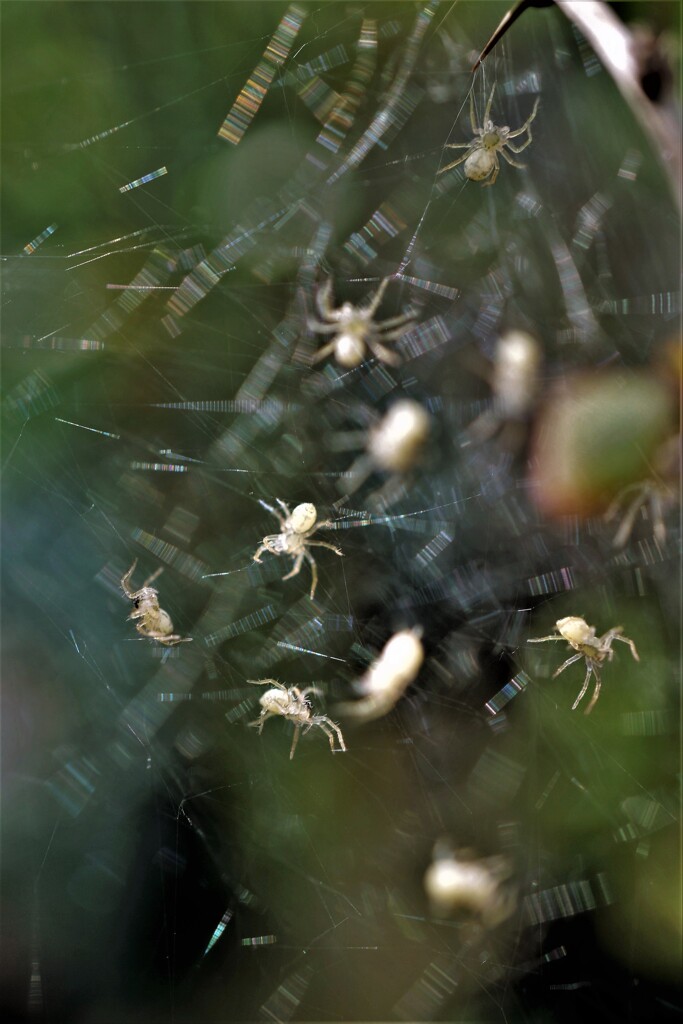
(650, 495)
(595, 649)
(355, 330)
(481, 158)
(515, 382)
(154, 623)
(291, 702)
(297, 528)
(388, 677)
(459, 883)
(393, 443)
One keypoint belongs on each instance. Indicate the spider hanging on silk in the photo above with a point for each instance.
(481, 159)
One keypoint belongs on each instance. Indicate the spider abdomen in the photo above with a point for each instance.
(480, 164)
(349, 348)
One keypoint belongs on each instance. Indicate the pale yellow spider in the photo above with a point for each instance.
(481, 158)
(154, 622)
(595, 649)
(459, 883)
(294, 539)
(355, 330)
(393, 443)
(292, 703)
(388, 677)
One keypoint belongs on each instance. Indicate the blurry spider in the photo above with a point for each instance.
(388, 677)
(514, 377)
(481, 158)
(297, 528)
(595, 649)
(459, 883)
(393, 443)
(154, 623)
(650, 495)
(290, 702)
(354, 329)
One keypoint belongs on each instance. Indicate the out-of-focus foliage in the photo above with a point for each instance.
(161, 859)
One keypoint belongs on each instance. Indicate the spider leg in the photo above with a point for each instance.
(569, 661)
(455, 163)
(513, 163)
(262, 719)
(259, 551)
(483, 429)
(578, 700)
(323, 299)
(542, 639)
(496, 169)
(355, 477)
(596, 694)
(298, 562)
(315, 325)
(151, 634)
(324, 544)
(309, 689)
(284, 507)
(458, 145)
(616, 503)
(525, 126)
(383, 354)
(325, 351)
(170, 641)
(395, 321)
(398, 332)
(320, 526)
(371, 307)
(604, 642)
(517, 149)
(297, 730)
(125, 579)
(333, 725)
(140, 626)
(658, 527)
(628, 522)
(273, 511)
(314, 571)
(328, 733)
(348, 441)
(625, 640)
(326, 725)
(487, 112)
(473, 121)
(133, 594)
(150, 579)
(267, 682)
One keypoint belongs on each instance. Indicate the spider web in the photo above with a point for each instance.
(179, 178)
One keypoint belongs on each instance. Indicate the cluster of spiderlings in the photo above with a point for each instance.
(388, 362)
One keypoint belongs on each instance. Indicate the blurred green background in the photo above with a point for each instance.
(139, 812)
